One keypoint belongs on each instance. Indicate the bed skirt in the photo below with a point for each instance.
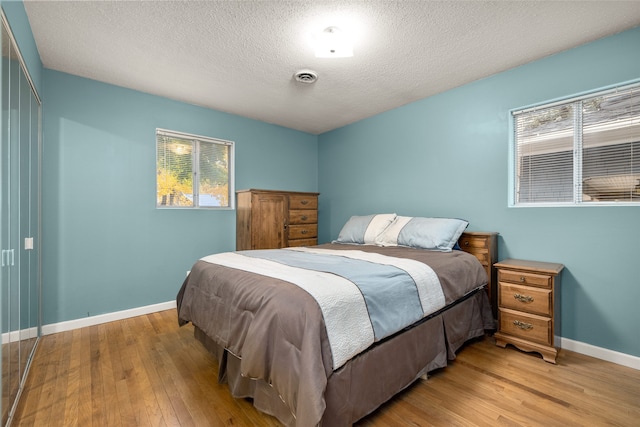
(373, 377)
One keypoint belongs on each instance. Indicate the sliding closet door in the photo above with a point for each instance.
(10, 225)
(33, 241)
(19, 222)
(13, 261)
(27, 336)
(4, 224)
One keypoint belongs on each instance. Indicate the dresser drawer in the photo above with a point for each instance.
(520, 277)
(303, 217)
(302, 202)
(526, 298)
(302, 242)
(526, 326)
(303, 231)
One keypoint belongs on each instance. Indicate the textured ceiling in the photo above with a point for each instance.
(240, 56)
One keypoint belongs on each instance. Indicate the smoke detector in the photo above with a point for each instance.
(306, 76)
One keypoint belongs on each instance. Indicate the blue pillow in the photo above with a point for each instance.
(439, 234)
(363, 230)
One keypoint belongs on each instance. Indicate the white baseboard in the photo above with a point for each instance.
(15, 336)
(565, 343)
(69, 325)
(599, 352)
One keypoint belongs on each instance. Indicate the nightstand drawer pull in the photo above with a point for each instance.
(304, 217)
(523, 298)
(523, 325)
(304, 232)
(522, 279)
(304, 202)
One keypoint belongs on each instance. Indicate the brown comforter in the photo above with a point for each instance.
(277, 329)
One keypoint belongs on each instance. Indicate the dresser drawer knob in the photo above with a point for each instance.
(304, 232)
(303, 217)
(523, 325)
(523, 298)
(522, 279)
(304, 202)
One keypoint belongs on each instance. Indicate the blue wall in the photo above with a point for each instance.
(106, 246)
(447, 156)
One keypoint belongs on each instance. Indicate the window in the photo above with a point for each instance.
(582, 151)
(193, 171)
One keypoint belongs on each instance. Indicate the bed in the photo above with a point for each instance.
(315, 338)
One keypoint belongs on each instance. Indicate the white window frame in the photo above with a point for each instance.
(577, 150)
(196, 139)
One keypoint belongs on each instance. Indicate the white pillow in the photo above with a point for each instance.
(439, 234)
(364, 230)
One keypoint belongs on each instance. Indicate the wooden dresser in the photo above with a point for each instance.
(484, 245)
(528, 304)
(270, 219)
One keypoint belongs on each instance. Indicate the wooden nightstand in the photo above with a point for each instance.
(528, 306)
(484, 246)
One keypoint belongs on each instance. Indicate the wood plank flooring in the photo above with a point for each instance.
(146, 371)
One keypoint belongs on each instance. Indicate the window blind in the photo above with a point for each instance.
(193, 171)
(611, 147)
(580, 152)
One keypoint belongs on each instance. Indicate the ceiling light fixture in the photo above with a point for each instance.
(333, 43)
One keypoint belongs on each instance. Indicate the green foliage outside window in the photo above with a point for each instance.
(180, 184)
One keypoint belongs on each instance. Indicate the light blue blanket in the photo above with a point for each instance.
(390, 293)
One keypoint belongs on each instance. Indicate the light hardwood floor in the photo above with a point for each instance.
(146, 371)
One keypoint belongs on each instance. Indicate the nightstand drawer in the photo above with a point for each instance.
(303, 217)
(526, 298)
(527, 326)
(483, 256)
(303, 202)
(472, 242)
(522, 278)
(303, 231)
